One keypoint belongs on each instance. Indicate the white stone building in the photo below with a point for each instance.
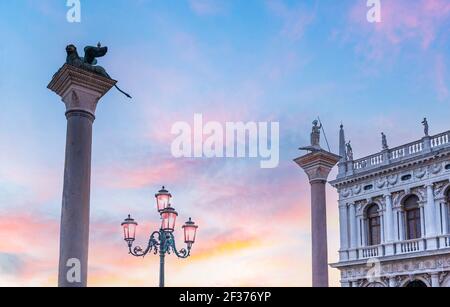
(394, 215)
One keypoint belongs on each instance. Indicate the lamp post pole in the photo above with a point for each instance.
(162, 241)
(161, 269)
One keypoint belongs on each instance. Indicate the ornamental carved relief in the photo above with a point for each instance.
(436, 168)
(404, 269)
(381, 182)
(393, 179)
(396, 196)
(359, 205)
(380, 201)
(346, 193)
(442, 277)
(439, 187)
(357, 189)
(317, 173)
(420, 172)
(421, 192)
(75, 99)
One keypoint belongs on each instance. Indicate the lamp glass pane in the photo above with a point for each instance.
(132, 231)
(189, 233)
(162, 201)
(168, 220)
(126, 232)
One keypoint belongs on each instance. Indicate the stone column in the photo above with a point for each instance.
(353, 232)
(343, 230)
(389, 226)
(396, 223)
(363, 230)
(435, 280)
(317, 166)
(430, 219)
(80, 91)
(445, 218)
(402, 225)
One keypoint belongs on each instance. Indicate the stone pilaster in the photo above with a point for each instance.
(343, 230)
(430, 218)
(80, 91)
(317, 166)
(389, 225)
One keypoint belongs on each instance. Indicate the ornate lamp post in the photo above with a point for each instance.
(163, 240)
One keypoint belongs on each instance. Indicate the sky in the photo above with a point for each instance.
(280, 61)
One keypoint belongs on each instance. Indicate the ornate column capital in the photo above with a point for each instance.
(80, 90)
(318, 164)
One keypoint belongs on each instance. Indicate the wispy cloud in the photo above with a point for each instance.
(404, 24)
(295, 18)
(207, 7)
(441, 79)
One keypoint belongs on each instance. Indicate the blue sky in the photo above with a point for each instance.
(253, 60)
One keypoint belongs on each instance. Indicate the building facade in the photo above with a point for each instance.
(394, 214)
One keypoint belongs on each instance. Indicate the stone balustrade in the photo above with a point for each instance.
(401, 247)
(401, 153)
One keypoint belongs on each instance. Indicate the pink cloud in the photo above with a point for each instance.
(419, 22)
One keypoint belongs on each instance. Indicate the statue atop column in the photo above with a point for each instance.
(349, 151)
(315, 138)
(384, 141)
(89, 61)
(426, 127)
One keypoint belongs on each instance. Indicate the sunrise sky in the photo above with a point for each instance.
(230, 60)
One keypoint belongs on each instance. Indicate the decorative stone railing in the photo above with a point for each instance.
(440, 140)
(411, 246)
(368, 162)
(371, 252)
(444, 241)
(401, 153)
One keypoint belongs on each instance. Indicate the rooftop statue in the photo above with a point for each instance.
(426, 127)
(384, 143)
(349, 151)
(89, 61)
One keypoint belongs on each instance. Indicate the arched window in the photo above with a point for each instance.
(412, 214)
(416, 284)
(373, 225)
